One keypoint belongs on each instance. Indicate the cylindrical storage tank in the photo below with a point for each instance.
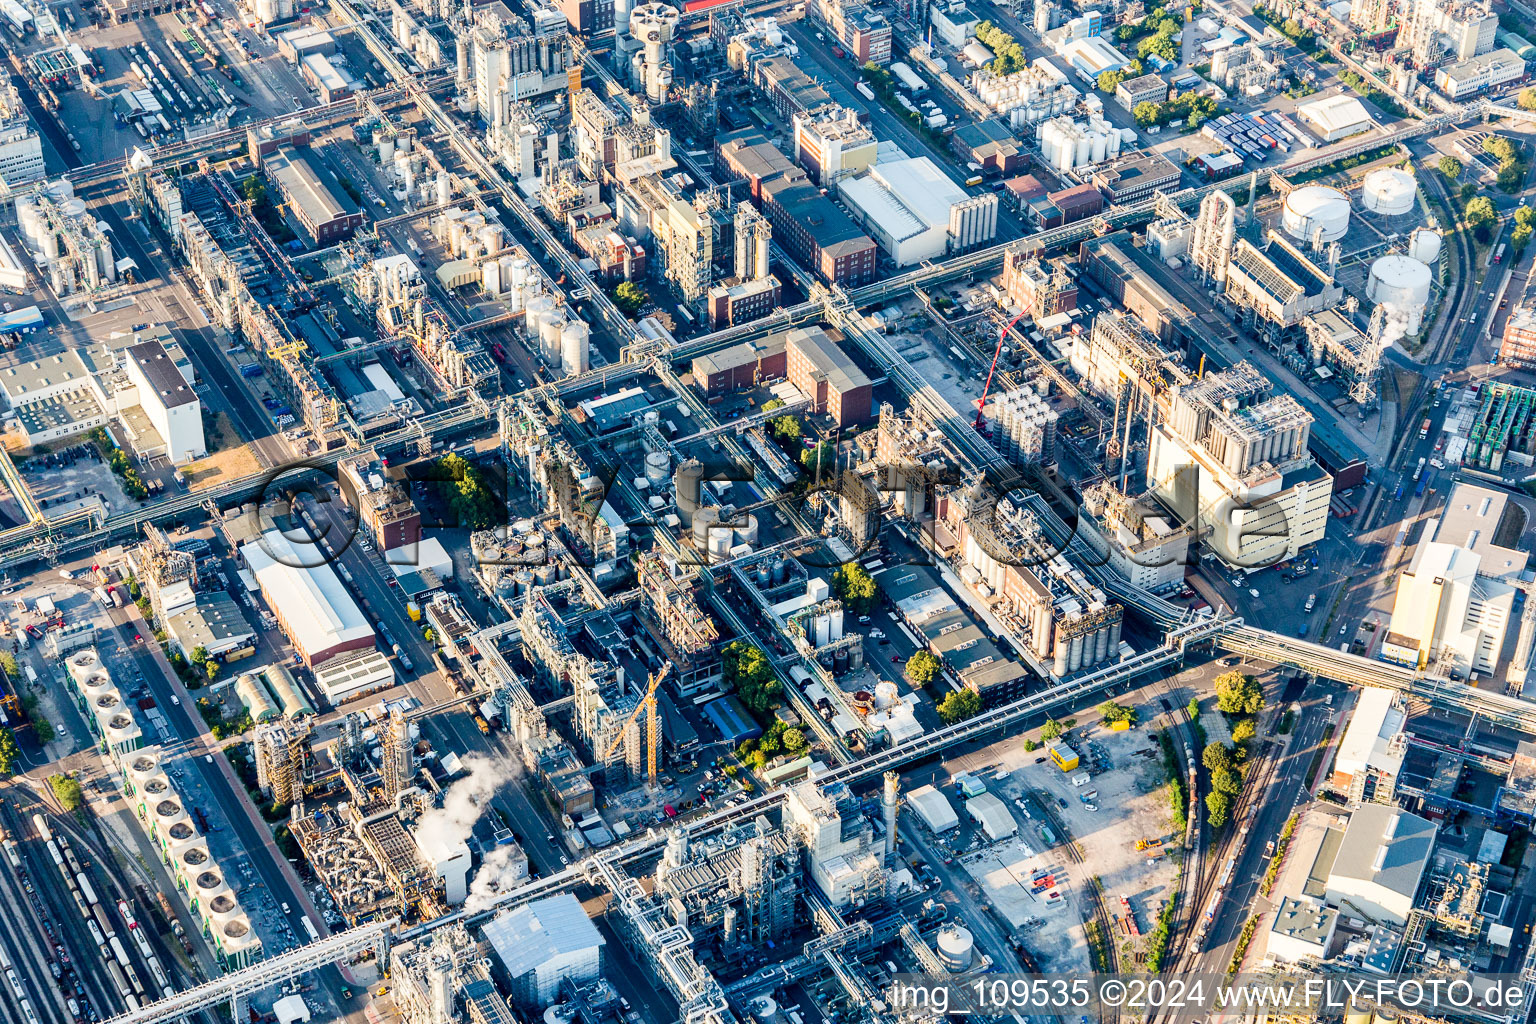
(550, 326)
(1100, 645)
(1100, 147)
(764, 574)
(1398, 282)
(533, 311)
(1424, 245)
(780, 571)
(956, 947)
(1313, 206)
(745, 526)
(704, 520)
(719, 542)
(490, 237)
(490, 277)
(575, 348)
(444, 188)
(1389, 191)
(658, 467)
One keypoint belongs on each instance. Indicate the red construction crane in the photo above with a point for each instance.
(980, 426)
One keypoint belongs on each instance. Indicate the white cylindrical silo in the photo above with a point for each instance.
(444, 188)
(550, 326)
(575, 340)
(533, 311)
(490, 277)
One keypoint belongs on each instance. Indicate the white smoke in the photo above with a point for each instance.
(467, 799)
(502, 868)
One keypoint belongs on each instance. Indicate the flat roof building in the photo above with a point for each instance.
(1335, 117)
(1370, 756)
(308, 598)
(823, 371)
(817, 232)
(1302, 928)
(315, 196)
(542, 945)
(1136, 176)
(1380, 863)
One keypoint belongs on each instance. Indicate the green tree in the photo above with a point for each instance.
(10, 753)
(9, 666)
(199, 655)
(1450, 167)
(1111, 711)
(1218, 808)
(786, 430)
(746, 668)
(1525, 217)
(820, 460)
(1109, 81)
(1216, 757)
(1051, 730)
(1030, 745)
(922, 668)
(1238, 694)
(464, 489)
(1227, 780)
(43, 729)
(1192, 709)
(794, 740)
(855, 587)
(1511, 176)
(1146, 113)
(629, 297)
(772, 404)
(1500, 148)
(1244, 729)
(211, 670)
(1520, 238)
(429, 634)
(1527, 99)
(958, 705)
(67, 791)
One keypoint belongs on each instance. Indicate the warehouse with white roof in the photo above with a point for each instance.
(917, 212)
(308, 599)
(1335, 117)
(934, 808)
(543, 944)
(992, 815)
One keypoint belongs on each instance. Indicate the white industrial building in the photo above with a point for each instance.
(307, 597)
(1380, 863)
(1335, 117)
(344, 679)
(934, 808)
(542, 945)
(448, 857)
(168, 401)
(1455, 601)
(1371, 753)
(992, 815)
(1239, 455)
(953, 24)
(1479, 74)
(1302, 928)
(1091, 57)
(916, 212)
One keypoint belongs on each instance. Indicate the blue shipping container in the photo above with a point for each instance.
(251, 370)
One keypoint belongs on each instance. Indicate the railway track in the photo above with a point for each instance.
(1190, 873)
(1212, 890)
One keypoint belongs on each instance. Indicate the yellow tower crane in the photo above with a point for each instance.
(653, 725)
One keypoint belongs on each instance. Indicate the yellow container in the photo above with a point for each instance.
(413, 610)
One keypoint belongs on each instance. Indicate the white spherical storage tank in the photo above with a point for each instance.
(1388, 191)
(1424, 245)
(955, 947)
(1313, 206)
(1398, 282)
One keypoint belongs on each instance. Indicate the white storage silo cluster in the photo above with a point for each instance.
(1389, 191)
(1401, 285)
(72, 247)
(1025, 427)
(1312, 207)
(1028, 96)
(1066, 143)
(468, 234)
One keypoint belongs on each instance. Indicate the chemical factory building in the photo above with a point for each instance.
(308, 598)
(327, 214)
(1380, 863)
(741, 365)
(916, 212)
(934, 808)
(1336, 117)
(168, 401)
(1371, 753)
(824, 373)
(543, 944)
(1302, 927)
(1479, 74)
